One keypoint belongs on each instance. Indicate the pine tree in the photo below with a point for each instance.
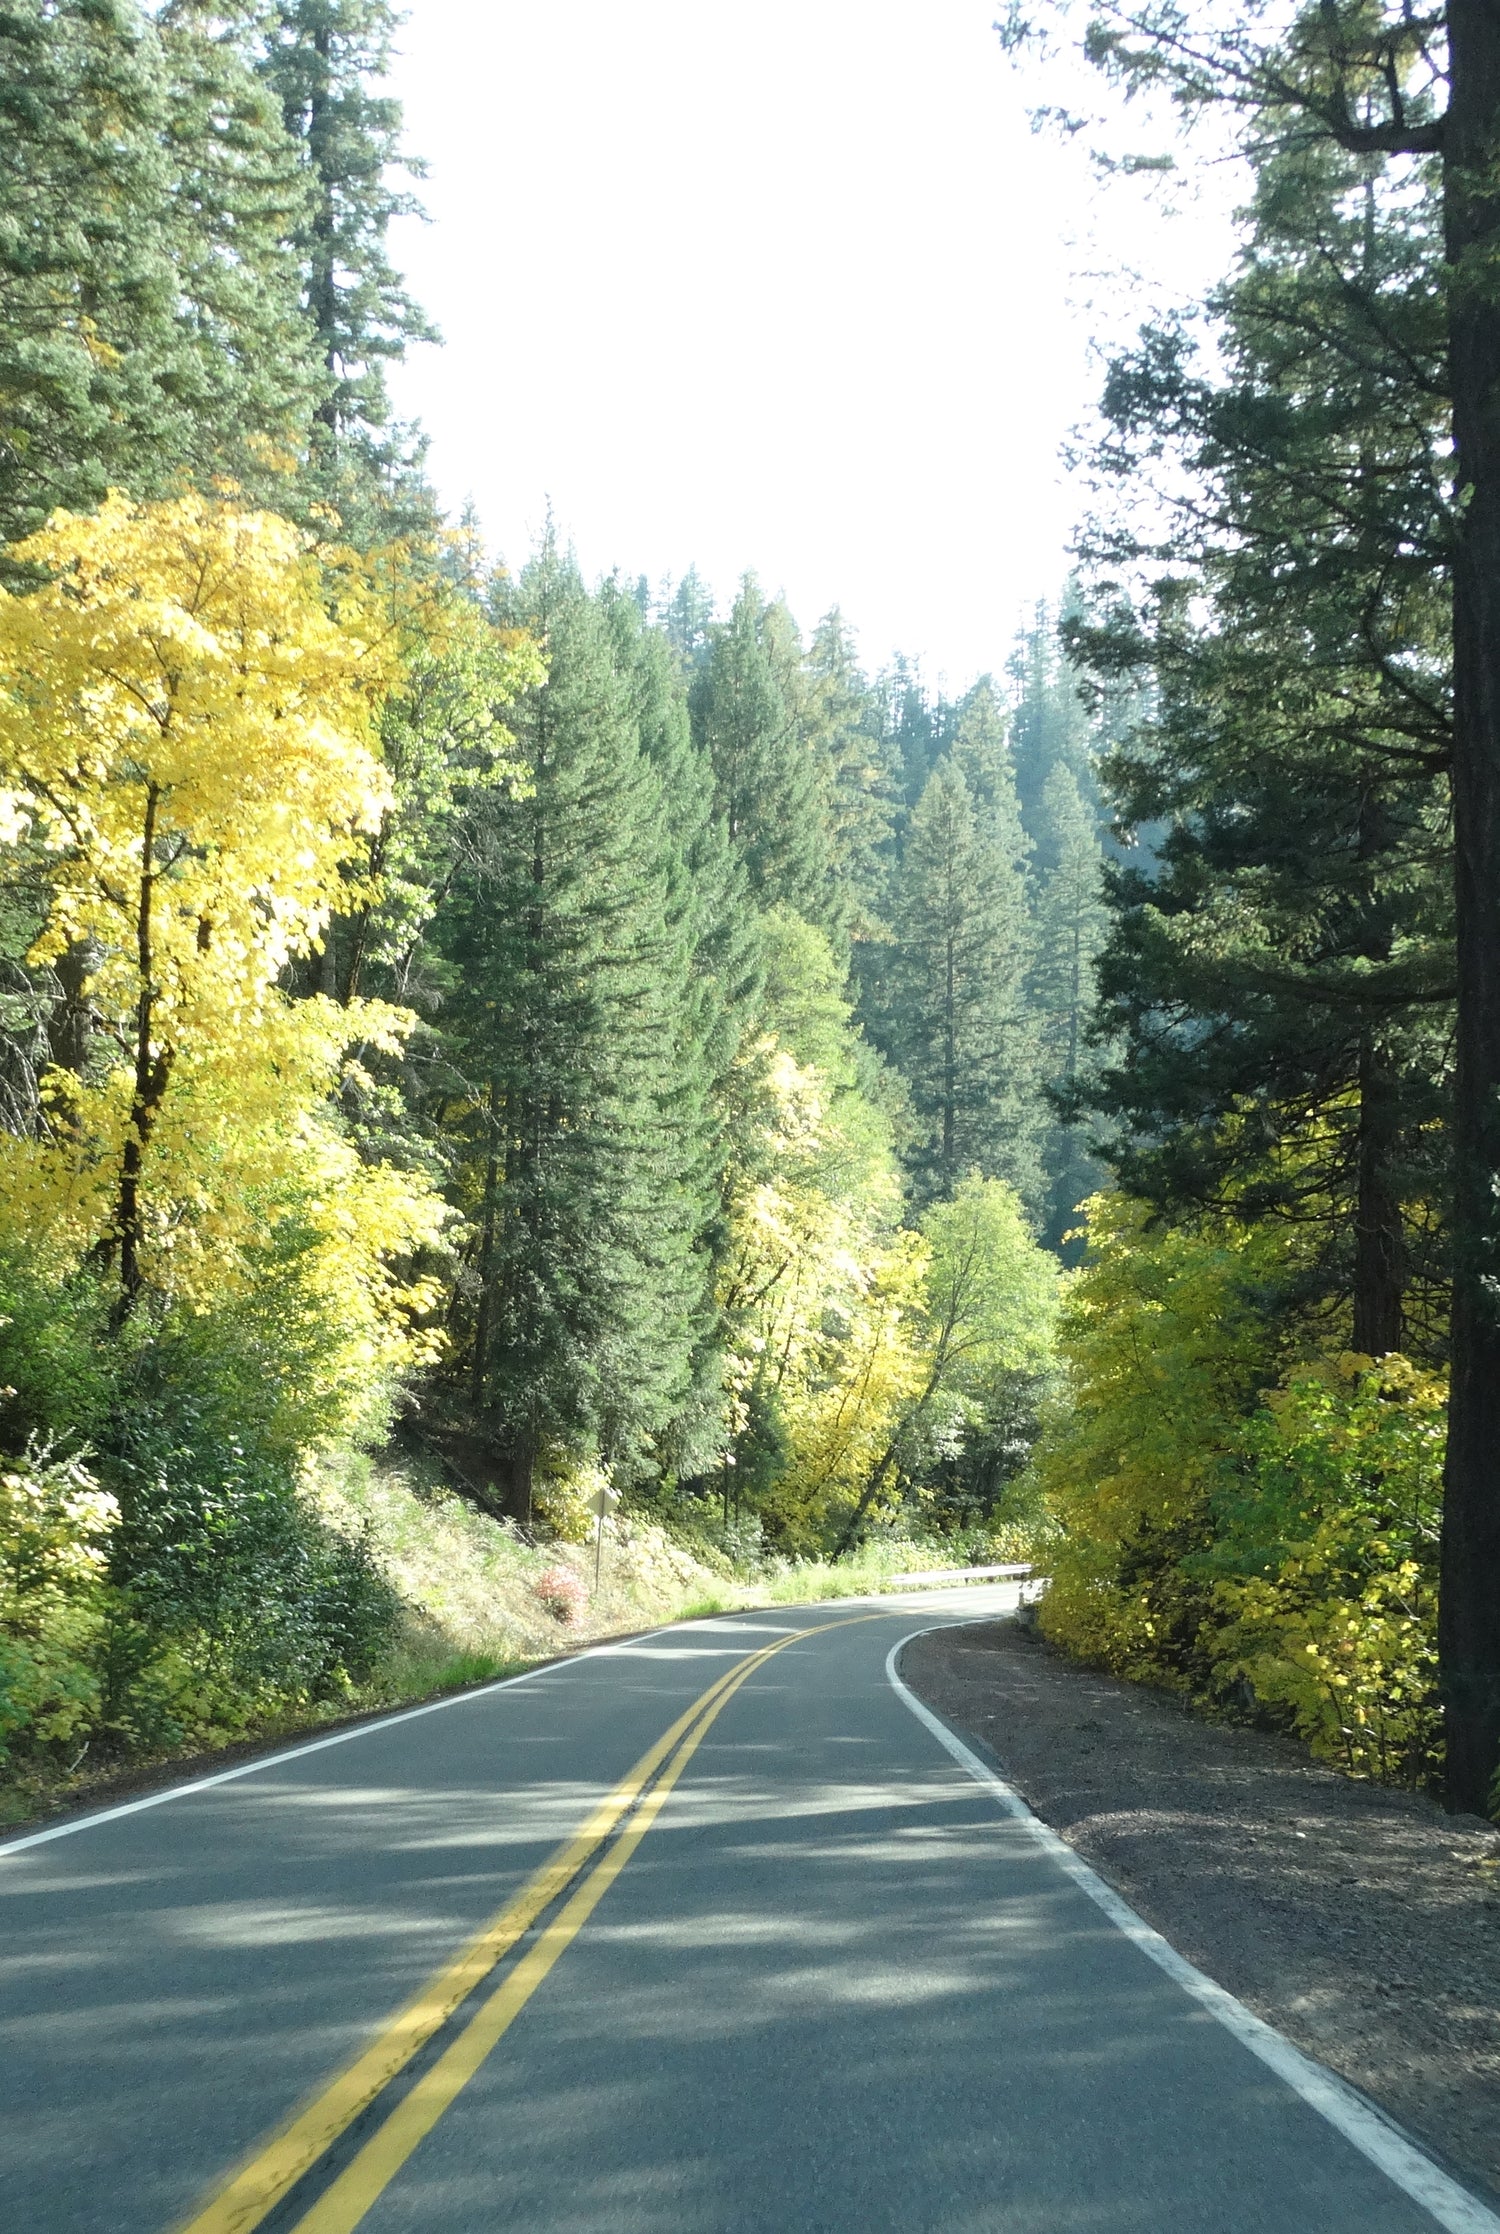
(956, 1022)
(567, 1028)
(1415, 95)
(1050, 726)
(321, 61)
(767, 785)
(707, 910)
(686, 617)
(239, 196)
(149, 326)
(1280, 973)
(917, 727)
(1069, 920)
(844, 735)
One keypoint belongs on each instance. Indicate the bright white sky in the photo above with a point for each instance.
(789, 287)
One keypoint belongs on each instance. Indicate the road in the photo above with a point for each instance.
(705, 1933)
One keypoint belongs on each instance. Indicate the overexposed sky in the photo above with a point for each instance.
(791, 288)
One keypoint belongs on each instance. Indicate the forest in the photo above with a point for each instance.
(613, 1037)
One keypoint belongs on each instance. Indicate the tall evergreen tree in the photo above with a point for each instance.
(149, 323)
(981, 748)
(1050, 724)
(767, 785)
(323, 61)
(1415, 93)
(707, 912)
(1069, 920)
(844, 734)
(567, 1029)
(687, 612)
(1281, 972)
(918, 727)
(956, 1022)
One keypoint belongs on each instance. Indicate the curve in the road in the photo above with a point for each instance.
(252, 2192)
(831, 1989)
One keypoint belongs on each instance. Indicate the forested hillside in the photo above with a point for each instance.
(611, 1037)
(602, 1036)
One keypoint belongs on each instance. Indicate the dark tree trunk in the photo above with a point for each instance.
(1469, 1636)
(72, 1023)
(1379, 1239)
(481, 1365)
(322, 278)
(150, 1086)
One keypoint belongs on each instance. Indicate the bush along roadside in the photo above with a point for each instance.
(1257, 1530)
(171, 1614)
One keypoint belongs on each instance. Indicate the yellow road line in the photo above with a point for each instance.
(254, 2190)
(364, 2180)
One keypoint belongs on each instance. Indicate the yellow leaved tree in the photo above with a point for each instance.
(822, 1297)
(187, 767)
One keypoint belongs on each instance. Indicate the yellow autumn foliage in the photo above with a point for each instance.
(823, 1296)
(188, 763)
(1257, 1529)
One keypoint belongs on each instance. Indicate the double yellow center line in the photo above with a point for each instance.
(273, 2171)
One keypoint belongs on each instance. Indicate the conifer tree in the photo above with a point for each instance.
(918, 727)
(1281, 972)
(956, 1022)
(1050, 726)
(149, 323)
(1414, 94)
(686, 617)
(1069, 921)
(568, 1033)
(322, 61)
(720, 934)
(845, 736)
(767, 785)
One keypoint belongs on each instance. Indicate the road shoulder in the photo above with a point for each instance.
(1361, 1923)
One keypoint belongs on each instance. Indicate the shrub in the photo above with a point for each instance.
(1331, 1527)
(562, 1593)
(54, 1526)
(1261, 1535)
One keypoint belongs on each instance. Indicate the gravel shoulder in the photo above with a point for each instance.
(1363, 1923)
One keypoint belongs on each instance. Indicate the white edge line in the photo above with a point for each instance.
(388, 1721)
(1374, 2135)
(340, 1737)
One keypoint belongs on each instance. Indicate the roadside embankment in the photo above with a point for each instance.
(1363, 1923)
(478, 1599)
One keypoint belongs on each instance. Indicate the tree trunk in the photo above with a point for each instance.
(322, 281)
(72, 1024)
(1379, 1238)
(1469, 1632)
(485, 1306)
(150, 1085)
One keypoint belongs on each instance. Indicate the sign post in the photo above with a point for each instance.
(604, 1500)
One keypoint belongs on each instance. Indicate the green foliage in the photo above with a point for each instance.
(955, 1019)
(55, 1523)
(768, 786)
(584, 1067)
(322, 61)
(149, 322)
(1327, 1541)
(1279, 972)
(992, 1305)
(170, 1580)
(1257, 1531)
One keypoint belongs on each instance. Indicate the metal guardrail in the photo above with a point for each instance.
(964, 1574)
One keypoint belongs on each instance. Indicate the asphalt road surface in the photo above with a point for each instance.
(706, 1933)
